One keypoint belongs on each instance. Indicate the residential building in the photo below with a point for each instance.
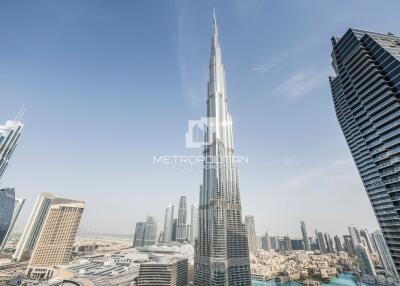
(366, 96)
(169, 216)
(251, 233)
(33, 228)
(56, 238)
(7, 203)
(19, 203)
(164, 272)
(181, 228)
(305, 236)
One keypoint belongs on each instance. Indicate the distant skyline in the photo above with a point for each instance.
(107, 85)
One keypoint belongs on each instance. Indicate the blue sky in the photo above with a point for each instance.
(109, 84)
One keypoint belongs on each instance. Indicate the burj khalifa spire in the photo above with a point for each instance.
(221, 249)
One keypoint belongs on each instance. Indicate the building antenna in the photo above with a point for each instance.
(21, 113)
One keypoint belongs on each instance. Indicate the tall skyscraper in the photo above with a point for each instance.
(32, 229)
(365, 235)
(56, 238)
(17, 209)
(221, 251)
(9, 135)
(150, 231)
(194, 218)
(274, 242)
(266, 242)
(7, 203)
(364, 260)
(383, 252)
(338, 244)
(305, 236)
(321, 241)
(287, 243)
(169, 216)
(348, 245)
(174, 226)
(251, 232)
(355, 236)
(366, 96)
(138, 238)
(329, 243)
(181, 234)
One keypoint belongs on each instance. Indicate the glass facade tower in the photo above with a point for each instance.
(366, 96)
(7, 202)
(9, 135)
(221, 248)
(181, 235)
(305, 236)
(19, 203)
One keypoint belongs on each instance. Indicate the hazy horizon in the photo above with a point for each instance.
(109, 85)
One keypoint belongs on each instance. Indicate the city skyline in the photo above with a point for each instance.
(259, 191)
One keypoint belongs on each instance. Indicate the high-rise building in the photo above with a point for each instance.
(251, 232)
(165, 272)
(17, 209)
(32, 229)
(297, 244)
(328, 243)
(287, 243)
(305, 236)
(174, 226)
(194, 218)
(221, 251)
(266, 242)
(338, 244)
(383, 252)
(366, 96)
(274, 242)
(55, 241)
(181, 235)
(7, 203)
(321, 242)
(138, 238)
(169, 216)
(348, 245)
(150, 231)
(365, 235)
(355, 236)
(9, 135)
(145, 233)
(364, 260)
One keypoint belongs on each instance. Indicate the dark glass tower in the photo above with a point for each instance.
(366, 95)
(7, 203)
(221, 249)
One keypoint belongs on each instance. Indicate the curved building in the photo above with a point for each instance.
(366, 95)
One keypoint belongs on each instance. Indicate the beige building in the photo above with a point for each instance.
(56, 238)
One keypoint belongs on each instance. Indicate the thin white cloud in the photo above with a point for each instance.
(343, 162)
(270, 64)
(185, 43)
(337, 171)
(290, 162)
(301, 84)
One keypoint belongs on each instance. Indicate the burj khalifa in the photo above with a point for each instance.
(221, 249)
